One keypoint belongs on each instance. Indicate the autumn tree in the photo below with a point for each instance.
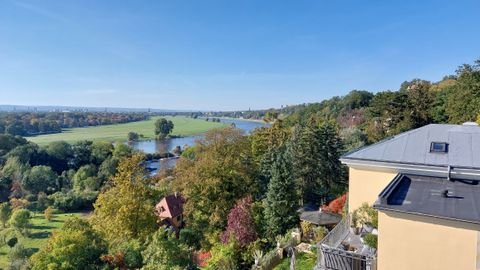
(126, 210)
(75, 246)
(337, 205)
(221, 172)
(48, 213)
(163, 127)
(282, 197)
(240, 224)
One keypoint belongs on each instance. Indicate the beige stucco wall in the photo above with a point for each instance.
(365, 185)
(410, 242)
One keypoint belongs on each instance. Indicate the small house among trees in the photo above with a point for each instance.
(170, 211)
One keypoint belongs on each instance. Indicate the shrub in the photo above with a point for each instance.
(72, 201)
(12, 241)
(368, 215)
(48, 213)
(20, 221)
(371, 240)
(319, 233)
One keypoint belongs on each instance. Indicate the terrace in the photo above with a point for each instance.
(343, 249)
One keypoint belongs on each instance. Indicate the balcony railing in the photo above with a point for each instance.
(331, 257)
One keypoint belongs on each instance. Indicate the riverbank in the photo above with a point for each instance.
(184, 126)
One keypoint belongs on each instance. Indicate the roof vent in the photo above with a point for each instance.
(439, 147)
(469, 124)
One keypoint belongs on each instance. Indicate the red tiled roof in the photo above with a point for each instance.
(170, 206)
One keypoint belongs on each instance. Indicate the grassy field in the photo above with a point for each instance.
(39, 233)
(303, 261)
(183, 127)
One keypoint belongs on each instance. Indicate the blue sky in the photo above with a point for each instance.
(225, 55)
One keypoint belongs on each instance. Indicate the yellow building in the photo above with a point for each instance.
(425, 185)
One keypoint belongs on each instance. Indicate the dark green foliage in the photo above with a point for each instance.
(101, 151)
(132, 136)
(282, 198)
(464, 99)
(314, 151)
(82, 154)
(163, 127)
(73, 201)
(8, 142)
(40, 179)
(59, 155)
(29, 123)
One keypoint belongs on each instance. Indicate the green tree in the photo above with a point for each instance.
(85, 178)
(163, 127)
(224, 257)
(464, 100)
(125, 211)
(282, 197)
(101, 151)
(419, 103)
(221, 173)
(314, 151)
(132, 136)
(165, 252)
(40, 179)
(5, 213)
(75, 246)
(81, 154)
(122, 150)
(20, 221)
(60, 154)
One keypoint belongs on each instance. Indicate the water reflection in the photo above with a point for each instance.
(167, 145)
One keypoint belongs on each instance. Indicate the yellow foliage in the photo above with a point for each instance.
(126, 210)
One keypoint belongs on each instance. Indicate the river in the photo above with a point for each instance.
(167, 145)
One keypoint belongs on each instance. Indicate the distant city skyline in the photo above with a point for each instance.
(224, 55)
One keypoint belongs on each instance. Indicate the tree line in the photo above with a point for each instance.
(31, 123)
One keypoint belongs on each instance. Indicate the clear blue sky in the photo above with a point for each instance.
(225, 55)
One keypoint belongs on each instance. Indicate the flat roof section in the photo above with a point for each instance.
(454, 199)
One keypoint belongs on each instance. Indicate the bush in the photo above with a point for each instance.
(48, 213)
(133, 136)
(73, 201)
(371, 240)
(20, 221)
(12, 241)
(367, 215)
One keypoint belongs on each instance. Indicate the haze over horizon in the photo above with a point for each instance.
(219, 55)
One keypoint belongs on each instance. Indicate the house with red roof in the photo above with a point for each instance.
(170, 211)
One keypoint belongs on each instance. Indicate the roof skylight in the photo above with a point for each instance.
(439, 147)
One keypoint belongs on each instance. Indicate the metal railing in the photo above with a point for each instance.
(330, 257)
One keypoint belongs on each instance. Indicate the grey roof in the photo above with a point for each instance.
(432, 196)
(413, 147)
(320, 218)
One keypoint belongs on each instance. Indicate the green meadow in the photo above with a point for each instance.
(39, 232)
(183, 127)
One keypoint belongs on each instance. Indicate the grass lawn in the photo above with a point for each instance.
(304, 261)
(39, 233)
(183, 126)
